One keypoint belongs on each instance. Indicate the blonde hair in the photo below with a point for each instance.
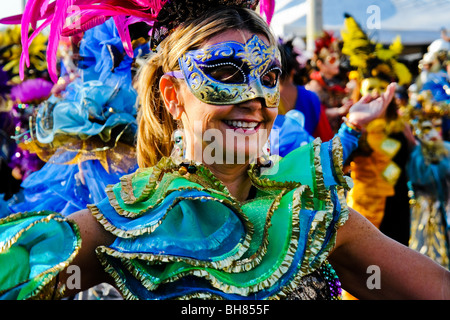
(155, 123)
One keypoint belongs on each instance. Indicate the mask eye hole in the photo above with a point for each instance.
(270, 77)
(225, 72)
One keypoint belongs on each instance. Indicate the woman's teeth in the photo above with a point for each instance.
(242, 124)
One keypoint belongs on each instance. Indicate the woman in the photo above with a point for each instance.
(209, 230)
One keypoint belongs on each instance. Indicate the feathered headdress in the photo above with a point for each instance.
(69, 17)
(373, 59)
(325, 44)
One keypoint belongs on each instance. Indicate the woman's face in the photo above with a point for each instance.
(234, 131)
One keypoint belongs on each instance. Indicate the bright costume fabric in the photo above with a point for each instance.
(430, 207)
(317, 125)
(184, 236)
(87, 136)
(374, 175)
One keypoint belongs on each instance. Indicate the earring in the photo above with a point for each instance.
(177, 153)
(264, 160)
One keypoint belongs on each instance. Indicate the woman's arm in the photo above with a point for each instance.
(91, 271)
(363, 256)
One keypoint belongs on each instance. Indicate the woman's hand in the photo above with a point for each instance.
(369, 108)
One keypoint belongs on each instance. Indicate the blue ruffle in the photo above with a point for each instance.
(97, 50)
(88, 109)
(185, 232)
(57, 187)
(35, 247)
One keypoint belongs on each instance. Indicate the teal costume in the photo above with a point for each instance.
(181, 236)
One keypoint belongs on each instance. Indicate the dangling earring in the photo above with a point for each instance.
(264, 160)
(177, 153)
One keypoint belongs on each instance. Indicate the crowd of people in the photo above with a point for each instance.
(385, 167)
(104, 148)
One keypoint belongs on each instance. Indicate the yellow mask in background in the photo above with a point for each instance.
(373, 86)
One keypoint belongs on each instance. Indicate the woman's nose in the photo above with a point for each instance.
(253, 104)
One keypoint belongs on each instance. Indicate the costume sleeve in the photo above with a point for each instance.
(34, 248)
(349, 140)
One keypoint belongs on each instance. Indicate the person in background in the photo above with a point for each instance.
(328, 81)
(428, 171)
(294, 95)
(377, 167)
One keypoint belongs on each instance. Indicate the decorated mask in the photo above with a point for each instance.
(231, 72)
(372, 85)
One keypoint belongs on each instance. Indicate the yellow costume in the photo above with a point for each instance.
(374, 176)
(374, 173)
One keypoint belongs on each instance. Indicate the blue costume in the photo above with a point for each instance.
(89, 132)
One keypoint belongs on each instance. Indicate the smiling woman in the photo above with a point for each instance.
(240, 97)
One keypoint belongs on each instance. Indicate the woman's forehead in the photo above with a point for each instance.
(241, 36)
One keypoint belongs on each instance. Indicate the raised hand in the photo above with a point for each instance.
(369, 107)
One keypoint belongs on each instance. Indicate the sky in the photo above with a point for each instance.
(10, 7)
(433, 14)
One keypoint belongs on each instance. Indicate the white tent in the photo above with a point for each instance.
(418, 22)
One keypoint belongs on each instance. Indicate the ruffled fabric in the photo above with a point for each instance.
(68, 188)
(34, 248)
(103, 59)
(185, 236)
(87, 137)
(88, 109)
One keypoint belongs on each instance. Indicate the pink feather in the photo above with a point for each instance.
(12, 19)
(44, 6)
(90, 13)
(86, 22)
(56, 27)
(124, 34)
(28, 16)
(267, 9)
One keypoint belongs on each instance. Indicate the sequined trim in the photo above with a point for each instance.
(337, 154)
(321, 284)
(266, 280)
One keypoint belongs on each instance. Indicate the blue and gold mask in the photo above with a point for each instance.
(231, 72)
